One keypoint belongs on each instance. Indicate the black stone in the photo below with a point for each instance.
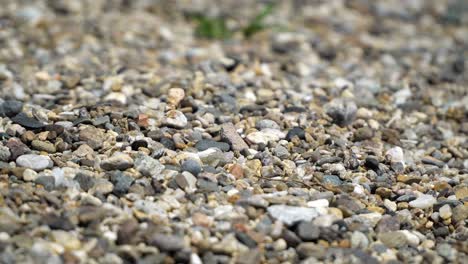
(295, 131)
(139, 144)
(372, 163)
(441, 231)
(291, 238)
(26, 121)
(10, 108)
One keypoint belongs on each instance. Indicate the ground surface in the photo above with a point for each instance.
(228, 132)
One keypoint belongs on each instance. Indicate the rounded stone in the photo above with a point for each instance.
(191, 166)
(34, 162)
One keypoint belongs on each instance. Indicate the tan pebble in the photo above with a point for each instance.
(175, 96)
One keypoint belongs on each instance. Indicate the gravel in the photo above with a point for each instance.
(174, 132)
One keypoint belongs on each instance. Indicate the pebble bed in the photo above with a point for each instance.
(337, 134)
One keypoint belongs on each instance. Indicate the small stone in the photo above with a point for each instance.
(237, 171)
(445, 212)
(191, 166)
(186, 181)
(281, 152)
(332, 180)
(122, 183)
(372, 163)
(83, 151)
(363, 133)
(29, 175)
(229, 133)
(460, 213)
(359, 240)
(148, 166)
(295, 132)
(5, 154)
(101, 120)
(341, 111)
(10, 108)
(212, 157)
(34, 162)
(447, 251)
(205, 144)
(322, 203)
(424, 201)
(94, 137)
(265, 136)
(26, 121)
(432, 161)
(47, 181)
(308, 231)
(85, 181)
(118, 161)
(395, 155)
(292, 214)
(266, 123)
(176, 119)
(175, 96)
(461, 192)
(394, 239)
(167, 243)
(43, 146)
(391, 206)
(116, 97)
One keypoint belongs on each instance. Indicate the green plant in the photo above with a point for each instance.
(212, 28)
(256, 24)
(216, 28)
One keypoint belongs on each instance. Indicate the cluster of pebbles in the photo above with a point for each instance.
(339, 136)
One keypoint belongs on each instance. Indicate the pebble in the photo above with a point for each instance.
(341, 111)
(122, 183)
(167, 242)
(261, 137)
(295, 132)
(176, 119)
(29, 175)
(26, 121)
(10, 108)
(163, 145)
(148, 166)
(205, 144)
(43, 146)
(332, 180)
(175, 96)
(34, 162)
(395, 154)
(191, 166)
(423, 202)
(290, 215)
(308, 231)
(5, 154)
(118, 161)
(92, 136)
(229, 133)
(445, 212)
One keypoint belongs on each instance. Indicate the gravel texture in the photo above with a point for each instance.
(322, 132)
